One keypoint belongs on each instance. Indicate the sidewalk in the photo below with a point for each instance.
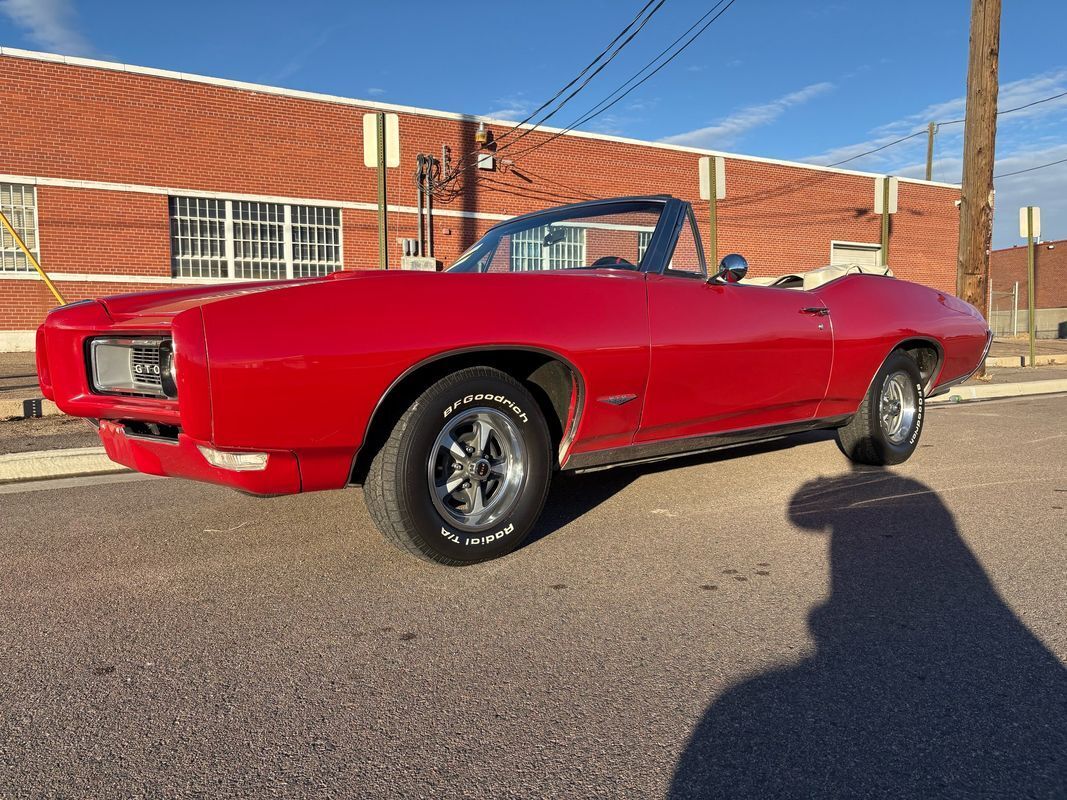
(1020, 346)
(1015, 352)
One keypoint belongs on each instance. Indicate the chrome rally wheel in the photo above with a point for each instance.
(886, 427)
(477, 468)
(897, 407)
(464, 474)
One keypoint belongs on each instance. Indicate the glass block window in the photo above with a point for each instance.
(258, 240)
(316, 241)
(548, 247)
(242, 239)
(19, 204)
(198, 237)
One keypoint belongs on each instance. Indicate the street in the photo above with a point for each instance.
(763, 622)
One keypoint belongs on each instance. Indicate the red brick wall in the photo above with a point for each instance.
(1050, 273)
(118, 233)
(82, 123)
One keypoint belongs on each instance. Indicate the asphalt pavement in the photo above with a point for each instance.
(767, 622)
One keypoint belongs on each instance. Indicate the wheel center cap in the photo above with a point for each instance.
(479, 469)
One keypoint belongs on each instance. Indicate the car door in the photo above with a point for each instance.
(729, 356)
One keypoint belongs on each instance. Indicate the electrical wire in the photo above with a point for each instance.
(527, 131)
(604, 105)
(1011, 110)
(578, 77)
(1030, 169)
(941, 124)
(875, 150)
(585, 83)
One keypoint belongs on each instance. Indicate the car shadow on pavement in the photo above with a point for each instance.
(923, 683)
(572, 496)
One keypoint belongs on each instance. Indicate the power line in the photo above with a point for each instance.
(656, 58)
(600, 107)
(941, 124)
(526, 132)
(1013, 110)
(585, 83)
(578, 77)
(1030, 169)
(875, 150)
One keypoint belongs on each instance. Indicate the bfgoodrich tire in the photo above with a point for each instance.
(888, 424)
(464, 474)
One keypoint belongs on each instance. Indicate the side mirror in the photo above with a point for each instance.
(732, 268)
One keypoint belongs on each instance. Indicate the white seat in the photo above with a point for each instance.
(819, 276)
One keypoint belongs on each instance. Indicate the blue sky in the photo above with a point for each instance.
(798, 80)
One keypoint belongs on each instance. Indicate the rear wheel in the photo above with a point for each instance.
(464, 474)
(887, 427)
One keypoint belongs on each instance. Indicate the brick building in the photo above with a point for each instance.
(127, 178)
(1008, 267)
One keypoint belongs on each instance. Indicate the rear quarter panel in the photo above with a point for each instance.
(871, 315)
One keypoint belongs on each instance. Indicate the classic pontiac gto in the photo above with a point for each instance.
(576, 338)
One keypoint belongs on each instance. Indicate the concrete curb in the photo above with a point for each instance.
(1020, 361)
(42, 464)
(991, 391)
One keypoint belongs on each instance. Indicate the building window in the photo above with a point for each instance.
(529, 252)
(198, 237)
(19, 204)
(644, 239)
(258, 240)
(316, 241)
(243, 239)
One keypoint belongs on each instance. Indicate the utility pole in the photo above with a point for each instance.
(979, 138)
(930, 131)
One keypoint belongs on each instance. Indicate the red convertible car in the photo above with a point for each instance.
(575, 338)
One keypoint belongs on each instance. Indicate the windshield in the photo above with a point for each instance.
(600, 236)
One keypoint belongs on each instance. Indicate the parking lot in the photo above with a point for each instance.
(766, 622)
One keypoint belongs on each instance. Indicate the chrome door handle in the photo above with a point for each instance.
(817, 310)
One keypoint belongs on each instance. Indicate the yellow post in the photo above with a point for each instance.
(36, 264)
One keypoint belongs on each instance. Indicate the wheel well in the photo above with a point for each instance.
(927, 355)
(555, 385)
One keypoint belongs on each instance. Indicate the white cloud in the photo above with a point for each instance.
(1025, 138)
(731, 128)
(50, 24)
(375, 91)
(510, 108)
(299, 61)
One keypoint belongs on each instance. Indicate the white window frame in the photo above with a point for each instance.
(229, 256)
(15, 251)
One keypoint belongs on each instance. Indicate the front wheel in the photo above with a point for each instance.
(464, 474)
(888, 424)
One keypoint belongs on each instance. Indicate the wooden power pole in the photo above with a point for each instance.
(979, 138)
